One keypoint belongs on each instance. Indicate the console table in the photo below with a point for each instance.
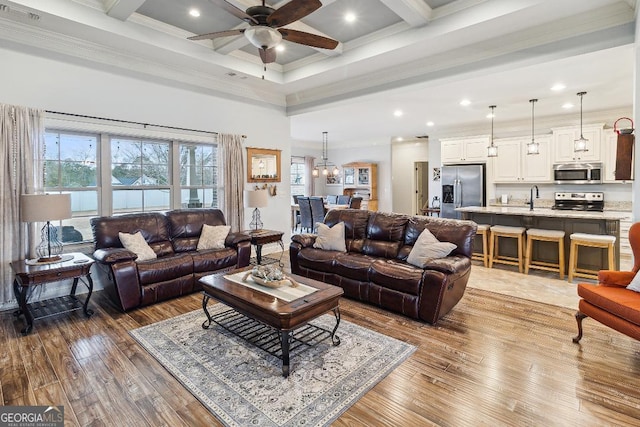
(262, 237)
(28, 275)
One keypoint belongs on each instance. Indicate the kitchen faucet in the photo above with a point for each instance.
(530, 202)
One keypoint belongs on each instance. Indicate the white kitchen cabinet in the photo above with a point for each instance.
(609, 149)
(513, 164)
(468, 150)
(563, 139)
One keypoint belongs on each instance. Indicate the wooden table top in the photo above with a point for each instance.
(268, 309)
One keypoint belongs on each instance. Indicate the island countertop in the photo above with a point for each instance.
(546, 212)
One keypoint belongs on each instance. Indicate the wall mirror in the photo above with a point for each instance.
(263, 165)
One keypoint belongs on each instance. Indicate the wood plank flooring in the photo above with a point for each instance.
(494, 360)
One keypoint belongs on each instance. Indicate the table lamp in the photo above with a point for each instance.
(46, 207)
(256, 199)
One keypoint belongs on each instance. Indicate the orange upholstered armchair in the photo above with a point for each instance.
(609, 302)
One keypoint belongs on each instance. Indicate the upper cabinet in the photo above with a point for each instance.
(563, 139)
(513, 164)
(470, 150)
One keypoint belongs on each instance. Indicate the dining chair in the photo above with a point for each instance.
(306, 220)
(343, 200)
(332, 199)
(317, 211)
(355, 202)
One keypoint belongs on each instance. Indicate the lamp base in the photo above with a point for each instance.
(255, 223)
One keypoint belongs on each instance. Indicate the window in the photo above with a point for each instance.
(108, 174)
(71, 167)
(140, 175)
(198, 172)
(297, 175)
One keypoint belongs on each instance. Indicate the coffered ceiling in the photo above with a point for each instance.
(417, 55)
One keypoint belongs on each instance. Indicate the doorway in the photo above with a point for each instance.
(421, 185)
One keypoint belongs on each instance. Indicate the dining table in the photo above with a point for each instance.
(295, 209)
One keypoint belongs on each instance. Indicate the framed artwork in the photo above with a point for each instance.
(436, 174)
(334, 179)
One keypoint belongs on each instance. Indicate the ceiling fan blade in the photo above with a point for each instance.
(308, 39)
(292, 11)
(267, 55)
(217, 34)
(234, 10)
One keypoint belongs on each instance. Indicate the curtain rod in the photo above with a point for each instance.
(134, 123)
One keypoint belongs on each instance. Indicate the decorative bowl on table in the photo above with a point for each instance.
(271, 277)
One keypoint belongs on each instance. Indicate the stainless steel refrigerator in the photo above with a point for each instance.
(462, 185)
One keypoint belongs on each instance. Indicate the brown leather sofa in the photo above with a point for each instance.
(374, 268)
(173, 236)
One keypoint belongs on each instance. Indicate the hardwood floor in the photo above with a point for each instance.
(494, 360)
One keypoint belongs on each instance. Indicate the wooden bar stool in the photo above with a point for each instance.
(590, 240)
(498, 231)
(483, 230)
(544, 236)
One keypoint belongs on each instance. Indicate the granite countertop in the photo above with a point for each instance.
(524, 211)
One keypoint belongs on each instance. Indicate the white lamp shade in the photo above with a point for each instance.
(263, 37)
(44, 207)
(256, 199)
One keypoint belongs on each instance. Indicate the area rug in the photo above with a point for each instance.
(243, 385)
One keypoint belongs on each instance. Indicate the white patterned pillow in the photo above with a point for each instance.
(213, 237)
(635, 283)
(136, 244)
(427, 247)
(330, 239)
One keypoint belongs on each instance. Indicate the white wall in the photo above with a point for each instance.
(404, 155)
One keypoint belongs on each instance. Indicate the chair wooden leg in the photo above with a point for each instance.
(491, 249)
(561, 258)
(485, 253)
(572, 261)
(612, 265)
(579, 317)
(520, 246)
(527, 255)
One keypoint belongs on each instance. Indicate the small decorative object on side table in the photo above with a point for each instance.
(27, 274)
(262, 237)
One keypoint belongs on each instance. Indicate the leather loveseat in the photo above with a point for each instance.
(173, 236)
(374, 268)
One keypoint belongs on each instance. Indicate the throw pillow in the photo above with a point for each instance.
(330, 238)
(635, 283)
(213, 237)
(427, 247)
(136, 244)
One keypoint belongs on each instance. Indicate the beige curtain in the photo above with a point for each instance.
(309, 180)
(232, 173)
(21, 148)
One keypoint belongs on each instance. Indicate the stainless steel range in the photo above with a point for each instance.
(566, 201)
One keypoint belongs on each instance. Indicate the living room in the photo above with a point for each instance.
(84, 85)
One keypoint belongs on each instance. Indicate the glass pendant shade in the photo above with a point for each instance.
(580, 144)
(336, 171)
(533, 147)
(492, 150)
(315, 172)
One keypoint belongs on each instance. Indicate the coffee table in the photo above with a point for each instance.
(254, 312)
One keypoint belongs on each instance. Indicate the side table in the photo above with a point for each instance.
(28, 275)
(262, 237)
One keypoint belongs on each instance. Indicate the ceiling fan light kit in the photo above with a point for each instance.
(265, 22)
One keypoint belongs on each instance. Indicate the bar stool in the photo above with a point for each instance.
(544, 236)
(483, 230)
(589, 240)
(498, 231)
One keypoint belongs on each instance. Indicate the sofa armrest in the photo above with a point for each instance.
(304, 240)
(233, 239)
(114, 255)
(615, 278)
(455, 264)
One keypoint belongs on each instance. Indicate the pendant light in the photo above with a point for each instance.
(580, 145)
(492, 150)
(324, 164)
(533, 147)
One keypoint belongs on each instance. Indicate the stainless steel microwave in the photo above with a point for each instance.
(577, 173)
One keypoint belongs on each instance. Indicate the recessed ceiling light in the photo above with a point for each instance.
(465, 102)
(398, 113)
(350, 17)
(194, 12)
(558, 87)
(280, 48)
(567, 105)
(399, 138)
(430, 124)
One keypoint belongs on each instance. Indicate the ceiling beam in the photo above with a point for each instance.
(413, 12)
(122, 9)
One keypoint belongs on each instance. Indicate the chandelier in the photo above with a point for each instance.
(324, 163)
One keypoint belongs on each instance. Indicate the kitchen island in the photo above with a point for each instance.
(607, 222)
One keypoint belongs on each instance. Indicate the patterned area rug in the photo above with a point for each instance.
(243, 385)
